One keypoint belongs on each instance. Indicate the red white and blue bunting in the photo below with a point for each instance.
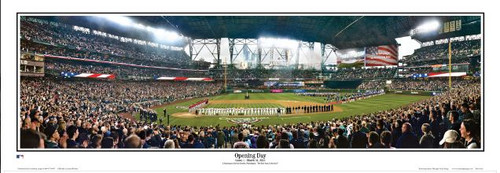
(184, 79)
(87, 75)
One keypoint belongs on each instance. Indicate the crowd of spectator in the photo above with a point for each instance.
(341, 74)
(428, 84)
(107, 96)
(234, 73)
(372, 85)
(356, 74)
(57, 106)
(81, 114)
(55, 67)
(415, 84)
(438, 54)
(61, 40)
(411, 71)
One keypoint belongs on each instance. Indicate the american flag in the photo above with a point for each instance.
(87, 75)
(382, 56)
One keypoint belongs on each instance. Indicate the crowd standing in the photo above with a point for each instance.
(77, 115)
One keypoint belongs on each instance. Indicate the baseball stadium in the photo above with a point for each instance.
(258, 82)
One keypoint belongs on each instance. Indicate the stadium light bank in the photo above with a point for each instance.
(426, 27)
(159, 33)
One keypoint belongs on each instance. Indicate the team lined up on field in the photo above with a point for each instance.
(239, 111)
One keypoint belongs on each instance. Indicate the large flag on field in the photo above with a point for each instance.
(381, 56)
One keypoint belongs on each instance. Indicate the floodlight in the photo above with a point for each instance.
(171, 36)
(125, 21)
(150, 29)
(428, 26)
(165, 35)
(139, 26)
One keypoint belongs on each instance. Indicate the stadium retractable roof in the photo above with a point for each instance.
(341, 31)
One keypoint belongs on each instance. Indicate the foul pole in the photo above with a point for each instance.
(449, 65)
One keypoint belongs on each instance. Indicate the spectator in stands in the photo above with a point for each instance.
(209, 141)
(454, 121)
(313, 143)
(194, 142)
(469, 131)
(358, 138)
(72, 134)
(221, 140)
(176, 142)
(408, 139)
(83, 140)
(107, 142)
(240, 143)
(31, 139)
(52, 137)
(262, 142)
(284, 141)
(427, 139)
(96, 141)
(435, 127)
(374, 140)
(465, 113)
(284, 144)
(380, 127)
(169, 144)
(297, 141)
(386, 139)
(340, 140)
(450, 140)
(364, 127)
(396, 131)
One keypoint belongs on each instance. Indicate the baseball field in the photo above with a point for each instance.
(179, 114)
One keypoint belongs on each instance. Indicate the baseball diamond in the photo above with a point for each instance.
(265, 100)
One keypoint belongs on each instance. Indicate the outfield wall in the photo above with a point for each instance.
(421, 93)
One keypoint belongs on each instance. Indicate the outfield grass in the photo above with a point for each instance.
(369, 105)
